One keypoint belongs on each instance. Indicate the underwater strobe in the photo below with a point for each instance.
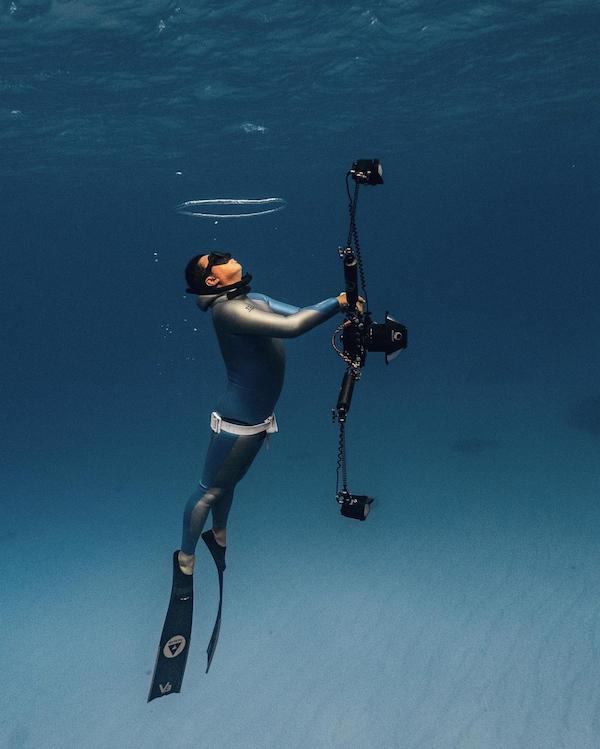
(359, 335)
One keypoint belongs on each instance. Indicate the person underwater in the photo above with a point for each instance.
(250, 329)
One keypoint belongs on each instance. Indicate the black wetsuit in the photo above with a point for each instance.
(249, 329)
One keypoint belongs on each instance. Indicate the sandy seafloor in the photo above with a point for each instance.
(463, 614)
(477, 628)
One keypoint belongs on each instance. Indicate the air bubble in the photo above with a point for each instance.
(230, 207)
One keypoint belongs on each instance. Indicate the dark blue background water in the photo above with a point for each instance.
(463, 613)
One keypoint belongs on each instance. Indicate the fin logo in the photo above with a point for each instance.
(174, 647)
(166, 688)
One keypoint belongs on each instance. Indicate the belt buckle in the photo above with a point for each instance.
(272, 428)
(215, 422)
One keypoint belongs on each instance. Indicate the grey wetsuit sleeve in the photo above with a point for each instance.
(280, 308)
(241, 317)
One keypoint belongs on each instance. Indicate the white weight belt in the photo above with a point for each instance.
(217, 424)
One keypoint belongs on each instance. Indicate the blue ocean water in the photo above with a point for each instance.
(463, 613)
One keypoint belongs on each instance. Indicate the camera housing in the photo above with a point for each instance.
(389, 338)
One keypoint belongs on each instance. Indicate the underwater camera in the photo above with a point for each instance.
(359, 335)
(389, 338)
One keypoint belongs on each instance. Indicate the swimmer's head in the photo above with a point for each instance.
(206, 273)
(194, 276)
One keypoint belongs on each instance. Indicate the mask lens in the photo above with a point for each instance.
(219, 258)
(216, 258)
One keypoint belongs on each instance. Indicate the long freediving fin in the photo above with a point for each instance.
(175, 639)
(218, 554)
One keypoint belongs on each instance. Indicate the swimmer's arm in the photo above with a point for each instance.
(239, 317)
(280, 308)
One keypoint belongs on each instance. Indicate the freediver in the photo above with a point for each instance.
(250, 328)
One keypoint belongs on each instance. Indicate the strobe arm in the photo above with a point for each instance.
(350, 276)
(345, 396)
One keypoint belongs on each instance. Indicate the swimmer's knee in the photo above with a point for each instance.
(204, 497)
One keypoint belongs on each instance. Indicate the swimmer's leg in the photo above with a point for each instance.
(229, 457)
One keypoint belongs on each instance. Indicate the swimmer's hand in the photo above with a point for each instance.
(343, 301)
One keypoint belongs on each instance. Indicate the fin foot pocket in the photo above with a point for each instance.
(217, 551)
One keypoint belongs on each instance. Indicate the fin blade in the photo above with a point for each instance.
(218, 555)
(174, 646)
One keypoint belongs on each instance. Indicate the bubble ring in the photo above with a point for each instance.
(198, 207)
